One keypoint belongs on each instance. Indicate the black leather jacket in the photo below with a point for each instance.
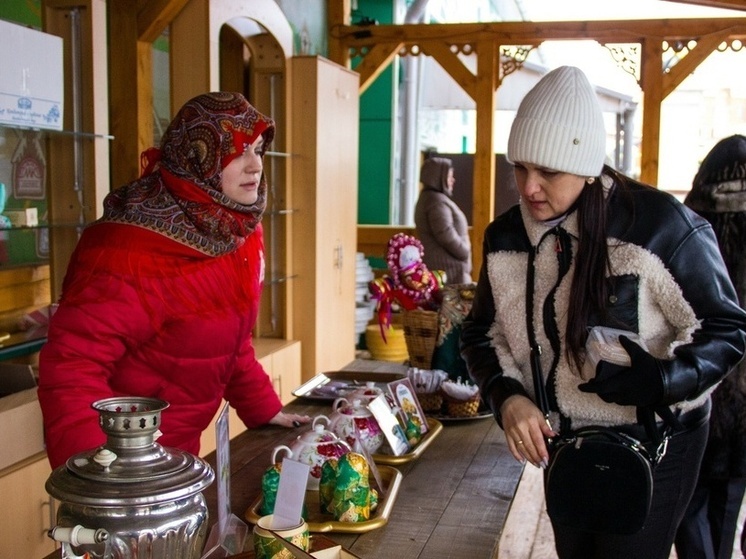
(650, 222)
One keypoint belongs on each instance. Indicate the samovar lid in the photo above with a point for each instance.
(130, 468)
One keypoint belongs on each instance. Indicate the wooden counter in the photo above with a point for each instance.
(452, 502)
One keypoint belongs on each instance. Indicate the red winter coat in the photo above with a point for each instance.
(142, 315)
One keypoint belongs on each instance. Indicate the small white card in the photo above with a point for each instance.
(389, 424)
(291, 492)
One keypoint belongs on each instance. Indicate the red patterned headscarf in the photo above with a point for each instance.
(179, 195)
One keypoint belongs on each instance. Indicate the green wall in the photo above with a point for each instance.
(27, 12)
(376, 113)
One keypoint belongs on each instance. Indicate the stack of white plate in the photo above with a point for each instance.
(363, 305)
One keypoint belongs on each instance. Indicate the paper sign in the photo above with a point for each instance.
(389, 425)
(291, 492)
(31, 77)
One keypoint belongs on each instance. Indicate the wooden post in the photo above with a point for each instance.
(484, 157)
(651, 82)
(337, 13)
(131, 79)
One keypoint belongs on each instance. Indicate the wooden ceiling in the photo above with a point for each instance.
(729, 4)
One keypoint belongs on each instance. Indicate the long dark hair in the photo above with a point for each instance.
(589, 289)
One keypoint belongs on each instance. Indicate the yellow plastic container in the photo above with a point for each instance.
(393, 349)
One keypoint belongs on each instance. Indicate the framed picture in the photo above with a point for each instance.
(405, 397)
(389, 424)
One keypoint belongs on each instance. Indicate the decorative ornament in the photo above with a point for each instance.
(409, 284)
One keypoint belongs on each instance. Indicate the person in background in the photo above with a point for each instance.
(440, 224)
(162, 292)
(711, 527)
(603, 250)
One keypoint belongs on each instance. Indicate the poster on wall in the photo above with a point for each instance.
(308, 21)
(31, 78)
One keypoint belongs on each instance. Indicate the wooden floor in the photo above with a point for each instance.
(527, 533)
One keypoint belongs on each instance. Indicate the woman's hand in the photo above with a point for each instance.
(525, 430)
(290, 419)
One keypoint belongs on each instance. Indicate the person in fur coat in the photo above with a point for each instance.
(162, 292)
(587, 246)
(440, 224)
(712, 527)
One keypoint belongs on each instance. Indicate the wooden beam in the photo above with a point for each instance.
(452, 64)
(483, 188)
(191, 53)
(337, 14)
(131, 92)
(705, 46)
(651, 82)
(727, 4)
(527, 32)
(375, 62)
(154, 16)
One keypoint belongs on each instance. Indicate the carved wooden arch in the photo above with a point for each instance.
(499, 47)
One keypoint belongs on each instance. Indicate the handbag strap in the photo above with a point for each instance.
(645, 415)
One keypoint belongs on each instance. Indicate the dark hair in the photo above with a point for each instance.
(588, 292)
(726, 161)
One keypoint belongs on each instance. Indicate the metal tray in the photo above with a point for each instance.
(337, 384)
(434, 429)
(319, 522)
(452, 418)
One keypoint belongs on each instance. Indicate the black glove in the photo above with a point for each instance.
(640, 384)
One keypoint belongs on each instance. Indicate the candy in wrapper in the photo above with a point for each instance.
(413, 431)
(327, 483)
(373, 499)
(270, 483)
(351, 500)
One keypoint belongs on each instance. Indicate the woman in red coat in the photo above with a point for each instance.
(161, 294)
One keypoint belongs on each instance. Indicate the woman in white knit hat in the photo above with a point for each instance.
(602, 250)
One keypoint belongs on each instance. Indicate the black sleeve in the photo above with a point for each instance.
(476, 348)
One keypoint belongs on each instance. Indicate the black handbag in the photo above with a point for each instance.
(598, 479)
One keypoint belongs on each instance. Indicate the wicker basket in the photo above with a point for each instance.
(420, 334)
(430, 402)
(466, 408)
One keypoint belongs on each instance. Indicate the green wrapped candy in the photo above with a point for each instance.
(373, 499)
(351, 502)
(413, 431)
(270, 483)
(327, 484)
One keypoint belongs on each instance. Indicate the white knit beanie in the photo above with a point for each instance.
(560, 126)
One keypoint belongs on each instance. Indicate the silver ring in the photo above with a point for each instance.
(519, 442)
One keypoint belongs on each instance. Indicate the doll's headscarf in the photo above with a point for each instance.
(179, 195)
